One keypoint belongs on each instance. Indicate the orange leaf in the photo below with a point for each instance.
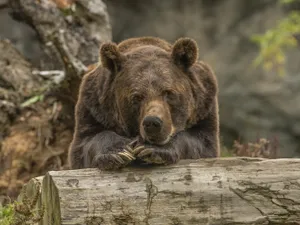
(63, 4)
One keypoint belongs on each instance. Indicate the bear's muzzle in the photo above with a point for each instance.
(156, 122)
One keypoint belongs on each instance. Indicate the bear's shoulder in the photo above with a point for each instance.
(134, 43)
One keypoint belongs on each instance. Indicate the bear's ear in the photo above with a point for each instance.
(110, 57)
(185, 52)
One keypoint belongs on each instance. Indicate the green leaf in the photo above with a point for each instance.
(32, 100)
(274, 42)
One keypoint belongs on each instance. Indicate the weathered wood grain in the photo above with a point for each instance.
(208, 191)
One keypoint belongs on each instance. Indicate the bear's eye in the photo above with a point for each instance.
(170, 96)
(136, 99)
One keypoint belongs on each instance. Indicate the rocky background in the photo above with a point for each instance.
(47, 45)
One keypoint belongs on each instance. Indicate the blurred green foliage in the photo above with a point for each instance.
(6, 215)
(275, 41)
(23, 212)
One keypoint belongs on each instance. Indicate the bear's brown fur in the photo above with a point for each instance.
(147, 101)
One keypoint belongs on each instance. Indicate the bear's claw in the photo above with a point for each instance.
(127, 155)
(118, 158)
(145, 152)
(128, 152)
(109, 161)
(154, 155)
(138, 149)
(148, 155)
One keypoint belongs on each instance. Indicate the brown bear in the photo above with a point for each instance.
(148, 102)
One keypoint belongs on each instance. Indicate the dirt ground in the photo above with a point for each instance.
(37, 142)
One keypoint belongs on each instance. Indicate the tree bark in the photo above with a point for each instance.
(71, 33)
(16, 83)
(207, 191)
(37, 98)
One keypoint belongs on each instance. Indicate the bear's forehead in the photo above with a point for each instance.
(151, 80)
(146, 51)
(150, 68)
(150, 73)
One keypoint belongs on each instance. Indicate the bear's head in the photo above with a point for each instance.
(157, 92)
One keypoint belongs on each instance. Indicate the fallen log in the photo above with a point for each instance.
(206, 191)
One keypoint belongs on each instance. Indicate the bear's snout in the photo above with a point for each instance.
(156, 123)
(152, 124)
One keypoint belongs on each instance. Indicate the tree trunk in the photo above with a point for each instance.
(37, 99)
(210, 191)
(16, 83)
(71, 32)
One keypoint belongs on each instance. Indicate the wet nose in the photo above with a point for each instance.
(152, 124)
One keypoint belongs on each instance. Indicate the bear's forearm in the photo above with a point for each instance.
(85, 150)
(193, 145)
(190, 144)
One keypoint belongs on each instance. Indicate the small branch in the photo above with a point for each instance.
(57, 76)
(75, 66)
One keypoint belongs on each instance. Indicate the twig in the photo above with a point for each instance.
(57, 76)
(70, 61)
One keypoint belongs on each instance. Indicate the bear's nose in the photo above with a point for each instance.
(152, 124)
